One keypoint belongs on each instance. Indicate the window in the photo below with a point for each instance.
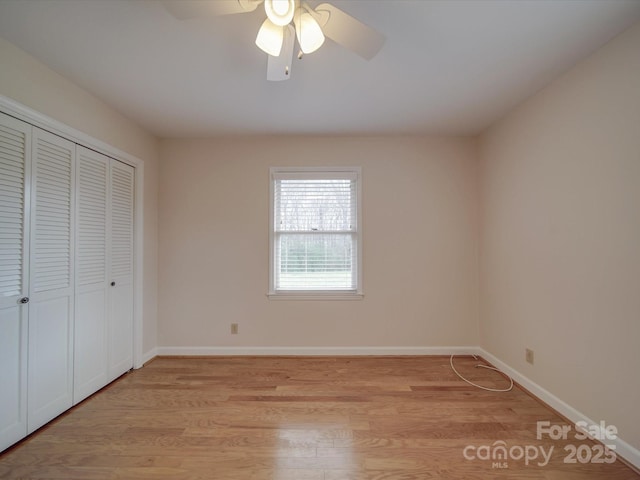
(315, 234)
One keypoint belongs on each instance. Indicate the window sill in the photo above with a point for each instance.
(315, 296)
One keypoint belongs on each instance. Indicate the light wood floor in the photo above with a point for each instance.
(255, 418)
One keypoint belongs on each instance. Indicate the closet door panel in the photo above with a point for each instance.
(14, 234)
(50, 371)
(121, 323)
(121, 270)
(13, 411)
(90, 351)
(90, 359)
(50, 384)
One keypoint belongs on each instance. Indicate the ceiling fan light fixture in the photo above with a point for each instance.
(270, 38)
(280, 12)
(308, 31)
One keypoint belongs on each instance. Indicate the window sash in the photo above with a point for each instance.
(315, 204)
(317, 261)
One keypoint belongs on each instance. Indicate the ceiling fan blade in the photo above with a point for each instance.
(279, 68)
(186, 9)
(345, 30)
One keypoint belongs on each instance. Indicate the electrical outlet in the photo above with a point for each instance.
(234, 329)
(528, 355)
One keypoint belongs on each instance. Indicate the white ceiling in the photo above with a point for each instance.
(447, 67)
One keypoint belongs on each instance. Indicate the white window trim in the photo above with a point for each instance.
(274, 294)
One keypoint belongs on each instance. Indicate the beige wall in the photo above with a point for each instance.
(560, 241)
(29, 82)
(420, 244)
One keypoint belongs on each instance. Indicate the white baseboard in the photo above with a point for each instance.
(149, 355)
(315, 351)
(622, 448)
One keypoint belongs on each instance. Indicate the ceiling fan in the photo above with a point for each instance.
(288, 20)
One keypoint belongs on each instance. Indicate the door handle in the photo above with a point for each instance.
(113, 284)
(24, 300)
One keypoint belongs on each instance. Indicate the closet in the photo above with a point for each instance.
(66, 275)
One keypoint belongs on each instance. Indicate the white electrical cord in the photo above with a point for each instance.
(480, 386)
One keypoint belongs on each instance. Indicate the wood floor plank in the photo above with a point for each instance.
(302, 418)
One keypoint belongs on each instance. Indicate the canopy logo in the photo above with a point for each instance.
(499, 453)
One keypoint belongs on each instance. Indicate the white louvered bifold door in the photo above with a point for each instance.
(51, 274)
(90, 340)
(121, 269)
(14, 234)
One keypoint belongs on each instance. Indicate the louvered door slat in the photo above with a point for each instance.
(12, 148)
(9, 140)
(10, 217)
(54, 173)
(10, 156)
(8, 183)
(11, 211)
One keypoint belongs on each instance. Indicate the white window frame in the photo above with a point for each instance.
(314, 294)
